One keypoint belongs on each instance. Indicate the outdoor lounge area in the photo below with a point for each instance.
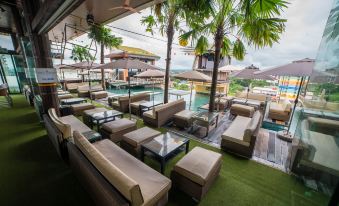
(154, 103)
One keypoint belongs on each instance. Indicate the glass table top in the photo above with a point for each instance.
(205, 116)
(106, 114)
(164, 144)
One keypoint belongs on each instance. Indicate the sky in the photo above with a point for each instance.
(306, 21)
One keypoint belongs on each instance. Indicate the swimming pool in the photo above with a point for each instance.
(197, 99)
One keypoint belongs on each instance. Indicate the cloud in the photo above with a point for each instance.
(306, 20)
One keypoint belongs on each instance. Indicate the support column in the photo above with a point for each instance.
(42, 56)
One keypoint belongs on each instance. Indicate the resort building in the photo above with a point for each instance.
(204, 64)
(83, 144)
(131, 53)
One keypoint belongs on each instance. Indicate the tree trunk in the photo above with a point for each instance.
(217, 43)
(103, 83)
(170, 34)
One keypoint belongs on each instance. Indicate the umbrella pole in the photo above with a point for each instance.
(129, 95)
(153, 91)
(189, 108)
(295, 105)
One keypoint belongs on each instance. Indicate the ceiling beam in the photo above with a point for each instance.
(51, 12)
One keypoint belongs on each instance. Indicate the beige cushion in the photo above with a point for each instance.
(243, 110)
(99, 93)
(118, 125)
(198, 165)
(149, 114)
(153, 185)
(235, 132)
(115, 103)
(65, 96)
(95, 110)
(82, 106)
(252, 126)
(75, 123)
(129, 188)
(184, 114)
(140, 136)
(63, 127)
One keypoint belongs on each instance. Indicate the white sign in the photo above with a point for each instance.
(46, 75)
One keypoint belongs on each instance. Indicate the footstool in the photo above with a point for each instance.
(195, 173)
(99, 95)
(242, 110)
(87, 113)
(131, 142)
(114, 130)
(135, 107)
(183, 119)
(77, 109)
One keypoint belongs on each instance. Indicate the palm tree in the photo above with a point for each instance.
(81, 54)
(233, 21)
(167, 17)
(103, 36)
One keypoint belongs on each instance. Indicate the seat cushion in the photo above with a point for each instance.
(76, 124)
(118, 125)
(82, 106)
(140, 136)
(198, 165)
(276, 108)
(129, 188)
(149, 114)
(184, 114)
(115, 103)
(153, 185)
(235, 132)
(95, 110)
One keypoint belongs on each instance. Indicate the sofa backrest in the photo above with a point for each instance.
(124, 184)
(259, 97)
(286, 105)
(64, 128)
(321, 125)
(252, 127)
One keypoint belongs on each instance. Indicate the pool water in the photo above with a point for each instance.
(197, 99)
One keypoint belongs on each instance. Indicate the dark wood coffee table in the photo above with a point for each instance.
(72, 101)
(164, 147)
(205, 119)
(106, 116)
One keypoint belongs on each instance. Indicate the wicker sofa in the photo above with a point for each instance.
(259, 99)
(316, 149)
(85, 91)
(122, 103)
(280, 111)
(241, 135)
(113, 177)
(162, 114)
(59, 130)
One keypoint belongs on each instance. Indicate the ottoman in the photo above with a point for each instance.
(242, 110)
(85, 116)
(135, 107)
(77, 109)
(195, 173)
(99, 95)
(183, 118)
(131, 142)
(114, 130)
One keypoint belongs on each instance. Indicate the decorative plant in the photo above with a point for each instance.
(103, 36)
(81, 54)
(166, 17)
(233, 22)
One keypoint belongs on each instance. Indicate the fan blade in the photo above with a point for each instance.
(132, 10)
(118, 7)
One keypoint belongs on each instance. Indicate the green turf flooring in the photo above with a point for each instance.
(31, 173)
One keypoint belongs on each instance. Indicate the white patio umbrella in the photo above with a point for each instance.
(128, 64)
(151, 74)
(193, 76)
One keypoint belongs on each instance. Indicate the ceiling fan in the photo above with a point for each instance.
(125, 6)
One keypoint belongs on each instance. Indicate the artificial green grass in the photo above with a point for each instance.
(31, 173)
